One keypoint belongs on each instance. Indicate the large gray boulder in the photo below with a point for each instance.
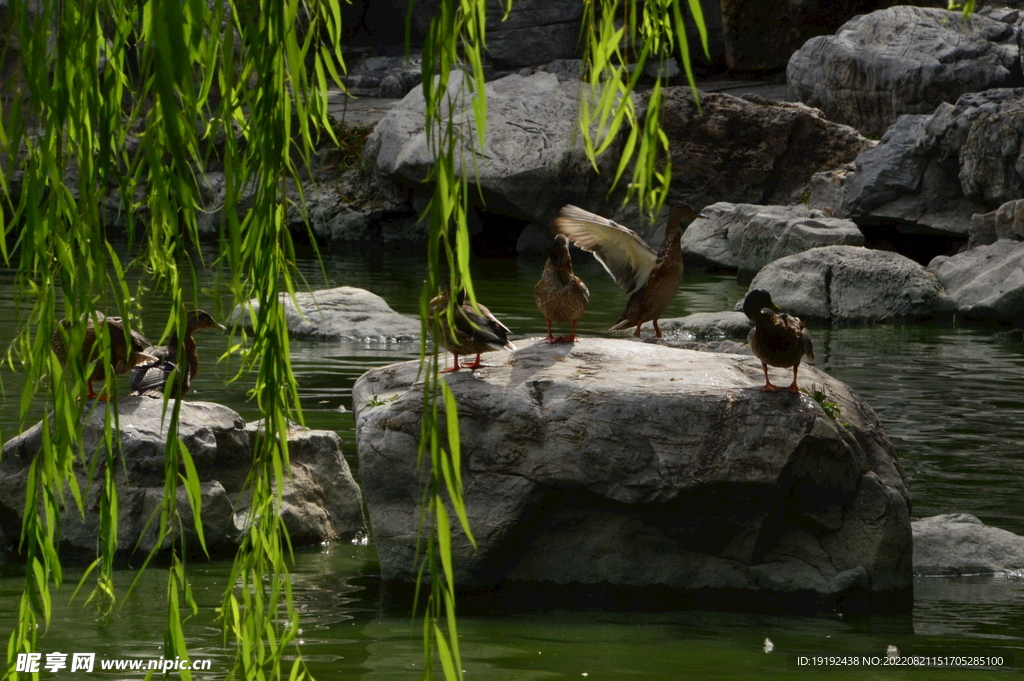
(749, 150)
(343, 313)
(532, 162)
(903, 60)
(747, 236)
(921, 172)
(957, 544)
(322, 501)
(985, 283)
(614, 464)
(847, 284)
(535, 31)
(991, 168)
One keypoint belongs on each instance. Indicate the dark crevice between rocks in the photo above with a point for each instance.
(494, 234)
(920, 244)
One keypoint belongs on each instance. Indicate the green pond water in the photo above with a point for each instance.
(950, 399)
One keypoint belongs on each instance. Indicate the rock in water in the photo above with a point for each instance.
(321, 500)
(342, 313)
(848, 284)
(747, 236)
(985, 283)
(960, 544)
(619, 465)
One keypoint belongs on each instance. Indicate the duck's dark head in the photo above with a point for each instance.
(560, 257)
(757, 300)
(200, 319)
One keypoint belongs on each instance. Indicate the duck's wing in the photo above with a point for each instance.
(150, 377)
(483, 327)
(624, 254)
(808, 343)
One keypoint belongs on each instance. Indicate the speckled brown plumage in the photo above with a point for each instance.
(124, 355)
(779, 340)
(469, 331)
(560, 295)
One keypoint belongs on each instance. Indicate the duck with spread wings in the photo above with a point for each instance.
(779, 340)
(470, 330)
(650, 277)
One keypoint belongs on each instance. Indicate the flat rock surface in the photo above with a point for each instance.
(626, 464)
(343, 313)
(848, 284)
(956, 544)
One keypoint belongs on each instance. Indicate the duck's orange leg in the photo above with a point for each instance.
(455, 364)
(657, 331)
(637, 334)
(767, 387)
(90, 393)
(550, 338)
(474, 364)
(792, 388)
(571, 338)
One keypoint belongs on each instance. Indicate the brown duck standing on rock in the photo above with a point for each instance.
(779, 340)
(650, 278)
(470, 330)
(126, 352)
(150, 379)
(561, 296)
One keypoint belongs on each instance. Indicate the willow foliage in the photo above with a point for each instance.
(136, 99)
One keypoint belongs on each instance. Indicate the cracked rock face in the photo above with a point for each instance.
(532, 162)
(614, 464)
(849, 284)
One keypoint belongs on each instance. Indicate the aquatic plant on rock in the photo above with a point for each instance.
(613, 468)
